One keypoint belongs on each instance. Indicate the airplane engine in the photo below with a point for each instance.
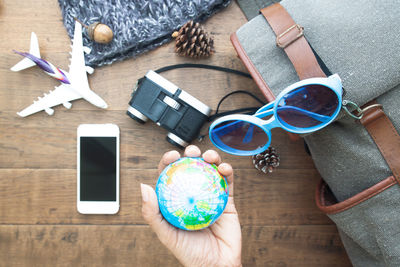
(89, 70)
(49, 111)
(87, 50)
(67, 105)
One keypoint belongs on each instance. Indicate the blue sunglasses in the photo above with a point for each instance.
(303, 107)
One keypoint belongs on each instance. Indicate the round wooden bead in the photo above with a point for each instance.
(100, 33)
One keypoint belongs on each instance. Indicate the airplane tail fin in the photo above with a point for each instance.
(26, 62)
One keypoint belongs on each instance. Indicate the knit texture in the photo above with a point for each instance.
(138, 26)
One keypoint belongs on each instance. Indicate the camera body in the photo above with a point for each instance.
(161, 101)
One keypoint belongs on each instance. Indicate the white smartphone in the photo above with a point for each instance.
(98, 169)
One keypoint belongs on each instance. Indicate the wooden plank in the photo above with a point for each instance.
(83, 245)
(206, 85)
(293, 246)
(41, 142)
(49, 197)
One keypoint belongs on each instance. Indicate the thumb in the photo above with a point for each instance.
(152, 215)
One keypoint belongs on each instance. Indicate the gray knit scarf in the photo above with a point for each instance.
(138, 25)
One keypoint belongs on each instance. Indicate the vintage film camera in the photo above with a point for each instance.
(161, 101)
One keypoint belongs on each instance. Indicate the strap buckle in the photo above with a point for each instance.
(360, 111)
(299, 28)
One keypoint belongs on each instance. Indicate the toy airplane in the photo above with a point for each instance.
(74, 85)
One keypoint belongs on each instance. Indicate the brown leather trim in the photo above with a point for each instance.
(326, 203)
(385, 136)
(265, 90)
(297, 49)
(262, 85)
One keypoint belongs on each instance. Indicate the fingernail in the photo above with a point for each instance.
(193, 150)
(145, 196)
(167, 156)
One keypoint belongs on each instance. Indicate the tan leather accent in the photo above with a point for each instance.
(385, 136)
(327, 203)
(265, 90)
(298, 50)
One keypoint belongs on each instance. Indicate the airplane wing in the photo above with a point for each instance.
(77, 69)
(61, 95)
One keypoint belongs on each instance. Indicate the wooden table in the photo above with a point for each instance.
(39, 223)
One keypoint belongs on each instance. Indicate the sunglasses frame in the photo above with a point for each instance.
(333, 82)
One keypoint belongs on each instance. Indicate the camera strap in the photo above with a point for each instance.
(202, 66)
(247, 110)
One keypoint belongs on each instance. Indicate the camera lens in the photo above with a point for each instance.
(136, 115)
(176, 141)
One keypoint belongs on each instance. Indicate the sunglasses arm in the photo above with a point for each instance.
(316, 116)
(266, 107)
(262, 114)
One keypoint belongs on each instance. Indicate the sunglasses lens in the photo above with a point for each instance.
(239, 135)
(308, 106)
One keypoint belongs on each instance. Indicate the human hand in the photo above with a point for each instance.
(218, 245)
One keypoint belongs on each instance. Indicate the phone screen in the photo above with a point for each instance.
(98, 168)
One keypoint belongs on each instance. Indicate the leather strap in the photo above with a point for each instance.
(385, 136)
(290, 37)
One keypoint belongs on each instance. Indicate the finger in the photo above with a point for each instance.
(168, 158)
(226, 170)
(192, 151)
(211, 156)
(227, 227)
(230, 207)
(152, 215)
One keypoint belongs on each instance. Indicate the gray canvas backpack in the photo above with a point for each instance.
(359, 160)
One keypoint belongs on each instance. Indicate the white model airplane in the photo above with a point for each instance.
(74, 85)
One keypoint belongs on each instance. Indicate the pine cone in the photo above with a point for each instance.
(191, 40)
(266, 161)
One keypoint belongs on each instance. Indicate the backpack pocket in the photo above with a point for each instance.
(368, 222)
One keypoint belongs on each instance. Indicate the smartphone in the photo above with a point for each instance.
(98, 169)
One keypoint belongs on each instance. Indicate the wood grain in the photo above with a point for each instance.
(39, 224)
(48, 196)
(128, 245)
(21, 148)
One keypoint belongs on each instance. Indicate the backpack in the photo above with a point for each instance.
(358, 159)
